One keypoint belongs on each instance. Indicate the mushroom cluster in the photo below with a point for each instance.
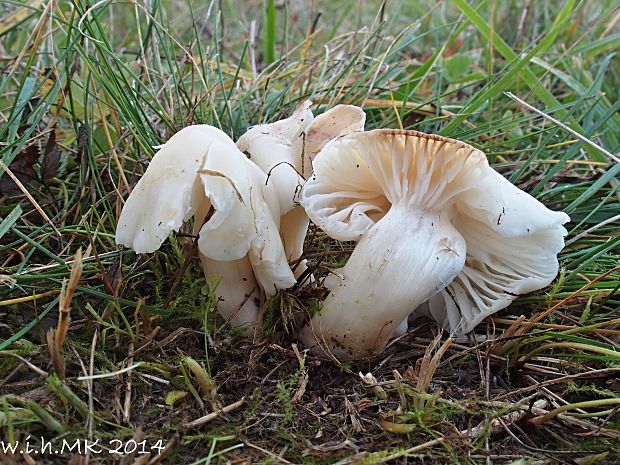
(242, 198)
(438, 231)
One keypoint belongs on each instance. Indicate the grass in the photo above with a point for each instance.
(101, 348)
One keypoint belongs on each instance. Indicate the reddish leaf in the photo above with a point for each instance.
(22, 167)
(113, 278)
(454, 46)
(51, 158)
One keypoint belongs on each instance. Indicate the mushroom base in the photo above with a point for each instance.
(237, 291)
(404, 259)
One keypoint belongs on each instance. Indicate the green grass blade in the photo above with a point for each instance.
(269, 33)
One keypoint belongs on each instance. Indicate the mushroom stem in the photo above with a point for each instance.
(237, 291)
(404, 259)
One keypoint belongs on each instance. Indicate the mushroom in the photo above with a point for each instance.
(275, 149)
(285, 150)
(200, 173)
(433, 221)
(335, 122)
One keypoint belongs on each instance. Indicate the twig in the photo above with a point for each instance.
(128, 386)
(563, 379)
(33, 367)
(56, 337)
(586, 404)
(414, 449)
(531, 448)
(29, 298)
(89, 385)
(172, 442)
(613, 219)
(266, 452)
(496, 424)
(525, 328)
(563, 126)
(213, 415)
(252, 49)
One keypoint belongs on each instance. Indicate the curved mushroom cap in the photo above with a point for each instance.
(284, 149)
(441, 193)
(169, 192)
(271, 144)
(275, 148)
(246, 217)
(197, 170)
(512, 245)
(336, 122)
(359, 177)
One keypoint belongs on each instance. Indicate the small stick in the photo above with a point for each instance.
(172, 442)
(613, 219)
(56, 337)
(213, 415)
(412, 450)
(33, 367)
(563, 126)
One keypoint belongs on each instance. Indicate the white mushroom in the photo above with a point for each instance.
(339, 121)
(285, 150)
(169, 193)
(200, 172)
(246, 218)
(275, 148)
(512, 247)
(236, 289)
(432, 221)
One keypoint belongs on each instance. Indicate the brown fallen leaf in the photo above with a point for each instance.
(51, 158)
(22, 167)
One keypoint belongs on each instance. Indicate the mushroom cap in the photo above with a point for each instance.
(358, 178)
(270, 144)
(512, 240)
(275, 148)
(246, 217)
(338, 121)
(512, 245)
(169, 192)
(284, 149)
(200, 168)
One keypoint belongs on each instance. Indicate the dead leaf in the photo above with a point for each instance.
(11, 20)
(591, 459)
(112, 278)
(51, 158)
(22, 167)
